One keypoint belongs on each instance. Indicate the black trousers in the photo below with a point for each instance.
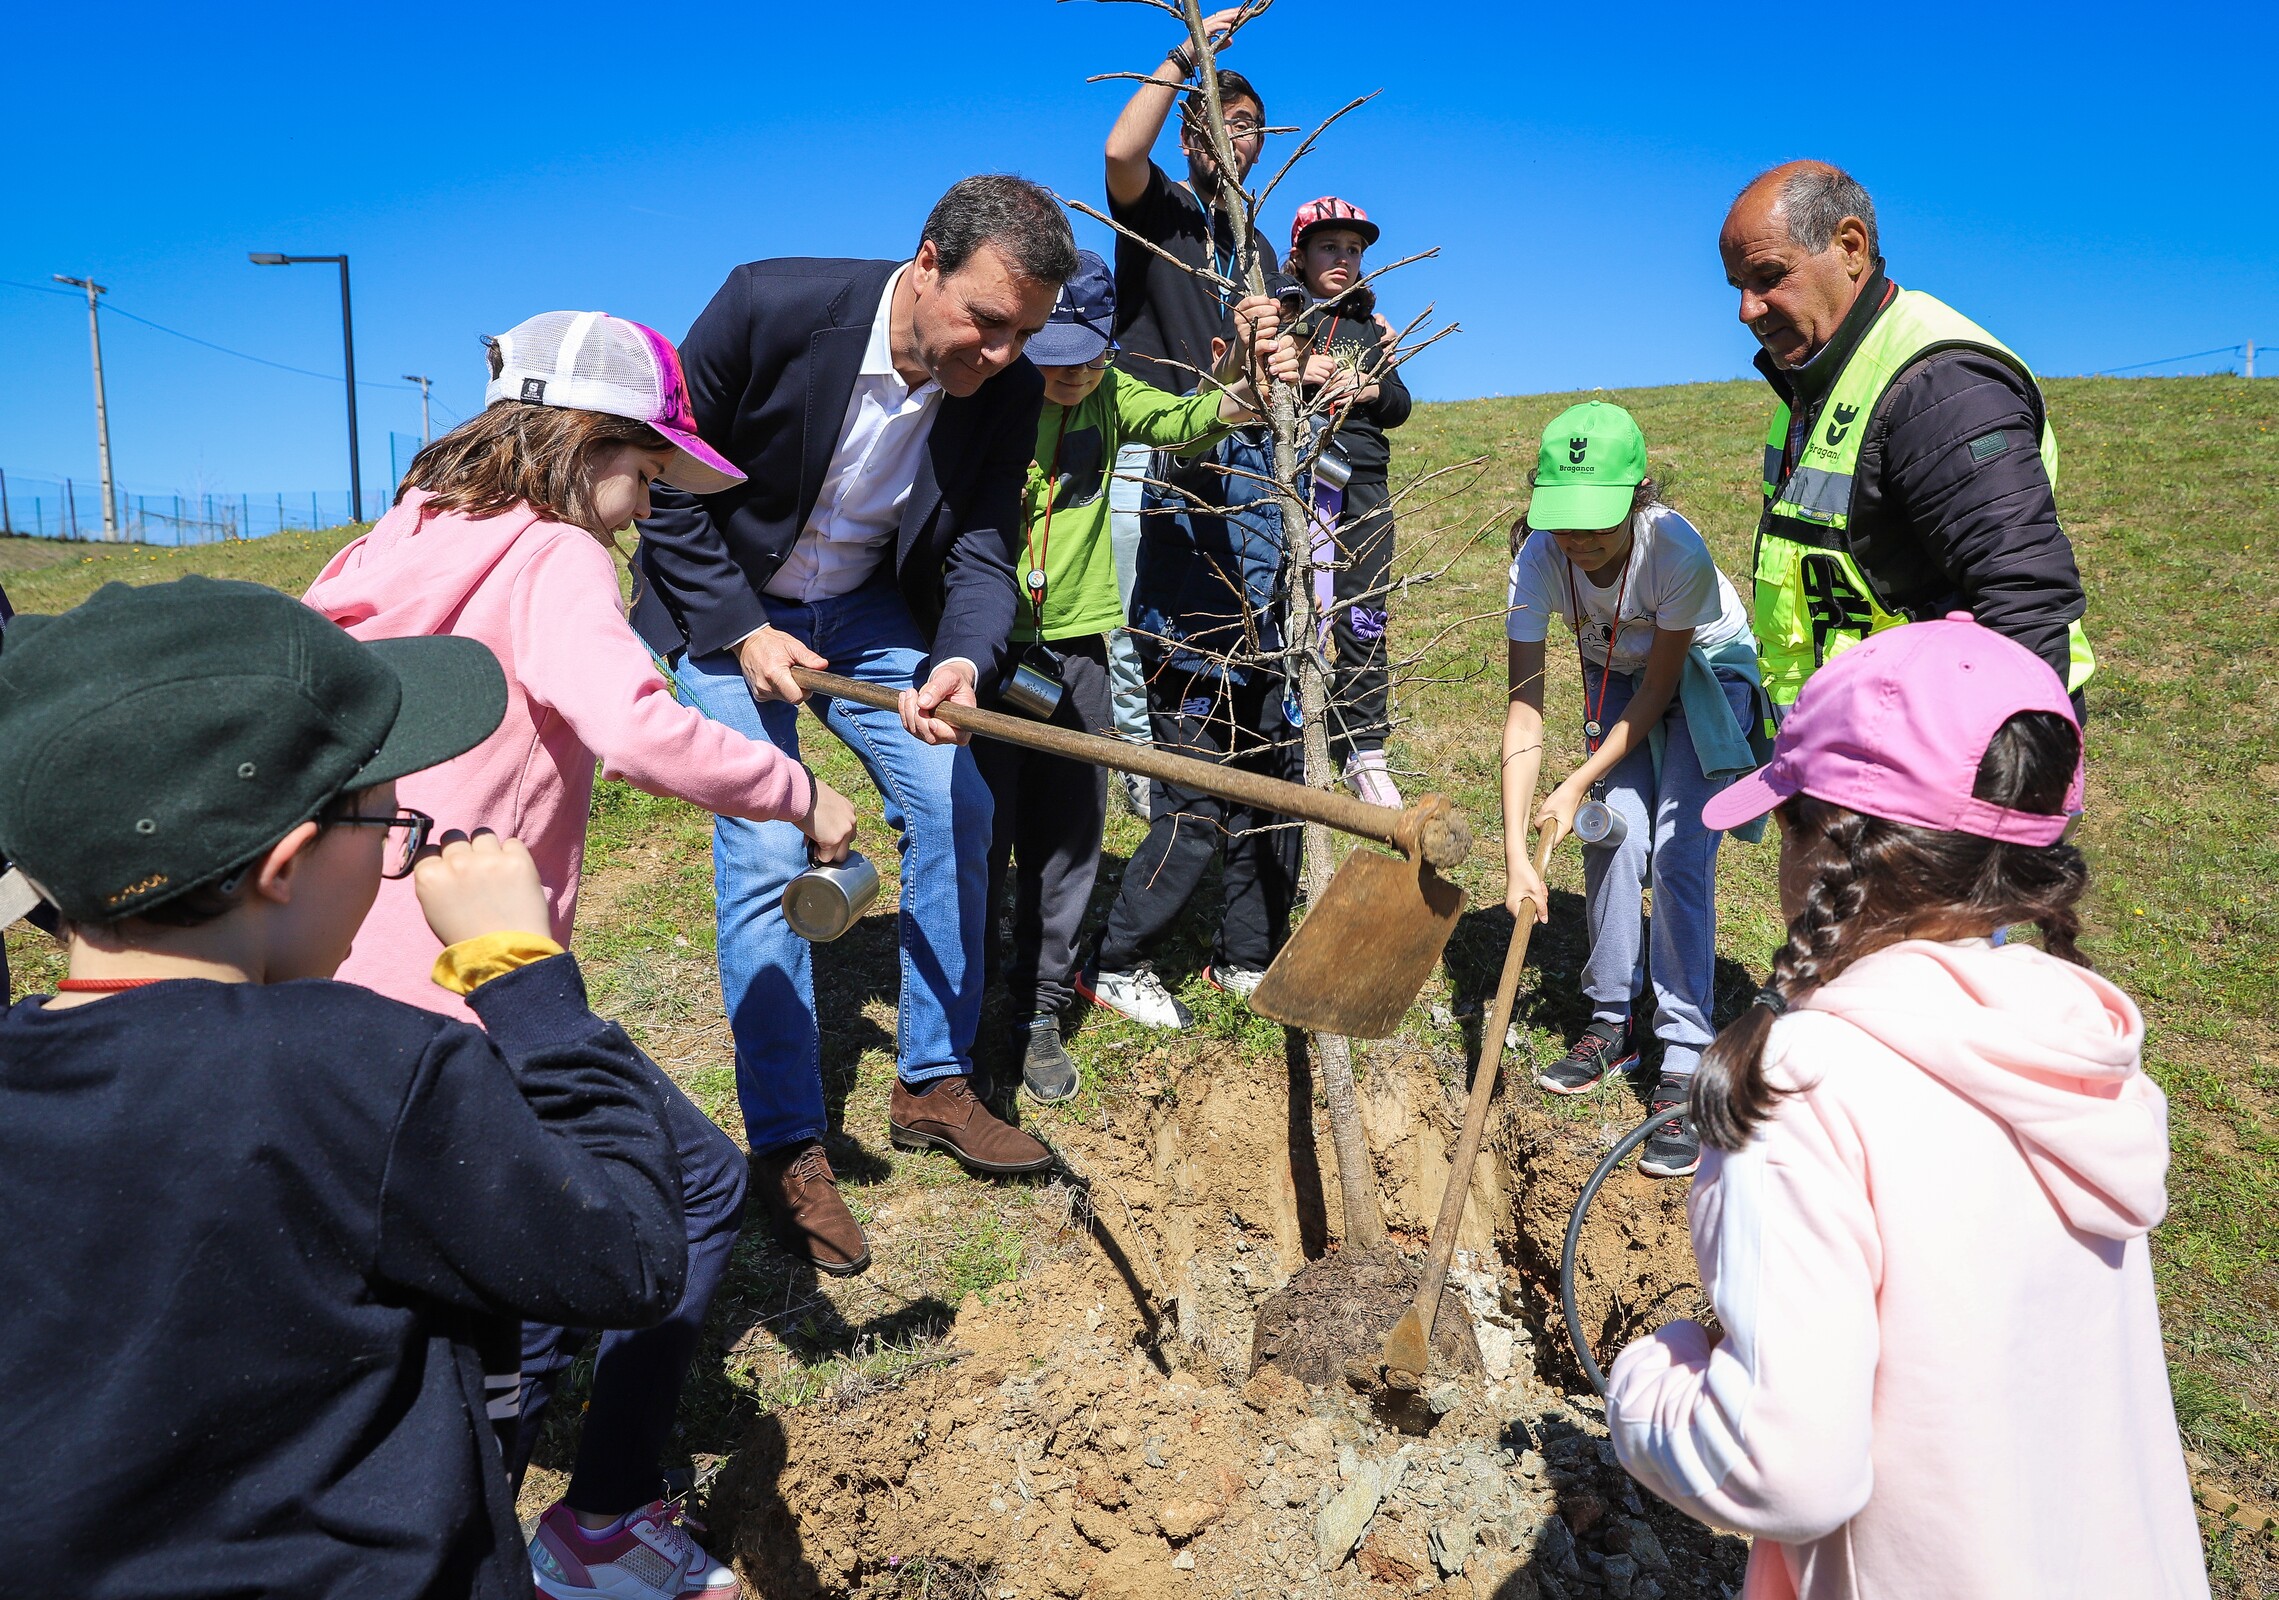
(1359, 682)
(1240, 726)
(1046, 840)
(638, 1374)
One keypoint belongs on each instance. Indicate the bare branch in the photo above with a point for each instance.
(1307, 144)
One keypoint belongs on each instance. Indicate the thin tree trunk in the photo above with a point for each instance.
(1356, 1172)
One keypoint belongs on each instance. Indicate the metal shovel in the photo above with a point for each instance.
(1365, 947)
(1407, 1353)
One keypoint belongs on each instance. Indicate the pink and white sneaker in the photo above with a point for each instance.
(1366, 776)
(648, 1556)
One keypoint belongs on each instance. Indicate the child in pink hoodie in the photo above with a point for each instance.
(1934, 1161)
(502, 532)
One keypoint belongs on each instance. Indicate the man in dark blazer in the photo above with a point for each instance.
(885, 419)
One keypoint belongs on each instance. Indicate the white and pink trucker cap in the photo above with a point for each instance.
(592, 361)
(1896, 726)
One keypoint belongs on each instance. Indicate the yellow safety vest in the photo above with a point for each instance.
(1813, 601)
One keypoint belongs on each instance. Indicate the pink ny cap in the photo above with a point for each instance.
(1896, 726)
(592, 361)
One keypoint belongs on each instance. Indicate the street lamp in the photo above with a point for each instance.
(262, 258)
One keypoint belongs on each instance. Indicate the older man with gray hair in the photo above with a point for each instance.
(1910, 469)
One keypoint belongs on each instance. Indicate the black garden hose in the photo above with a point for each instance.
(1614, 1158)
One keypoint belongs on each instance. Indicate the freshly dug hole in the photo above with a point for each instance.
(1634, 1269)
(1339, 1310)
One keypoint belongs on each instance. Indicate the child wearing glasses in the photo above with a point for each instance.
(1051, 811)
(502, 532)
(285, 1225)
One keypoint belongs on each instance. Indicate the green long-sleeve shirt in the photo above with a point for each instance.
(1068, 481)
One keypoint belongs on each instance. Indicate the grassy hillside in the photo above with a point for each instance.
(2166, 490)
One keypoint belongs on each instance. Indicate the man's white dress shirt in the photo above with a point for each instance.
(858, 511)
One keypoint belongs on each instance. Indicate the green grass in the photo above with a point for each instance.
(2165, 489)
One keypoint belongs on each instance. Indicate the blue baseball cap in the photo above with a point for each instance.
(1083, 318)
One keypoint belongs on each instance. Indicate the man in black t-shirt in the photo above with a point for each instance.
(1165, 316)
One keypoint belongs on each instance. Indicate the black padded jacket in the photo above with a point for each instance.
(1952, 508)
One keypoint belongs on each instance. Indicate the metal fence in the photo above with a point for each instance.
(52, 508)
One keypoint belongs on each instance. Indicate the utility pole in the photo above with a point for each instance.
(2251, 358)
(423, 382)
(102, 412)
(348, 347)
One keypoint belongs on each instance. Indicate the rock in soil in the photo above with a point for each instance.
(1335, 1314)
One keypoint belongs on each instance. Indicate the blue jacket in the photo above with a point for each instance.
(1210, 584)
(771, 364)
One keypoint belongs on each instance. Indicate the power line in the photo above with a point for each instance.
(2169, 361)
(329, 377)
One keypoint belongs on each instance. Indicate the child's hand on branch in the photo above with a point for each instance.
(472, 886)
(1258, 330)
(829, 823)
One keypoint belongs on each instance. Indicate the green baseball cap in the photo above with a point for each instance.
(1593, 457)
(156, 739)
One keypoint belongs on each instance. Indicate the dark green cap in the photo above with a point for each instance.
(156, 739)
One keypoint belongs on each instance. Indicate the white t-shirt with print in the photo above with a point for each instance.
(1671, 582)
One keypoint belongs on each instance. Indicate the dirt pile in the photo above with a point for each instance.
(1058, 1458)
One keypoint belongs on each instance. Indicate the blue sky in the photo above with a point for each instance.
(2090, 183)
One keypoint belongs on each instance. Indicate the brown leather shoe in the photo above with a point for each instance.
(950, 1117)
(811, 1218)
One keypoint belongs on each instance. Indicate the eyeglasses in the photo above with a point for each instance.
(416, 826)
(1099, 363)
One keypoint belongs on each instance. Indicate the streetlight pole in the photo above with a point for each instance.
(102, 412)
(348, 348)
(423, 382)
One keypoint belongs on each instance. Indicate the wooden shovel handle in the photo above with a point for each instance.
(1459, 1190)
(1431, 828)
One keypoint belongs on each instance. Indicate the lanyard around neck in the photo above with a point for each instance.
(1593, 729)
(1040, 543)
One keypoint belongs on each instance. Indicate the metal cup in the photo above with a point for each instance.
(1331, 470)
(1030, 690)
(829, 898)
(1599, 825)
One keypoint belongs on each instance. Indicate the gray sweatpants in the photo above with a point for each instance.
(1127, 686)
(1664, 843)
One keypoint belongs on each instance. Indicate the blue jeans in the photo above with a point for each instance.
(1665, 842)
(637, 1375)
(940, 809)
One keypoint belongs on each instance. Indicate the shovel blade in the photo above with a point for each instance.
(1356, 963)
(1407, 1353)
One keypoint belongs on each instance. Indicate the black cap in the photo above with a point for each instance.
(156, 739)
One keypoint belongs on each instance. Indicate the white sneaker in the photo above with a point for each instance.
(648, 1557)
(1241, 982)
(1138, 792)
(1366, 776)
(1139, 995)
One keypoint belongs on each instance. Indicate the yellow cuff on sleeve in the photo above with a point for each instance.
(468, 965)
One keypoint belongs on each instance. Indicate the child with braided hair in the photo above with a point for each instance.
(1933, 1163)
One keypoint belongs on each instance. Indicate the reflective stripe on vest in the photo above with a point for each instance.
(1812, 600)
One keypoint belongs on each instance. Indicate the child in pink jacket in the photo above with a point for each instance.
(502, 532)
(1934, 1160)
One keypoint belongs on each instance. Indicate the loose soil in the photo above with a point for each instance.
(1093, 1428)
